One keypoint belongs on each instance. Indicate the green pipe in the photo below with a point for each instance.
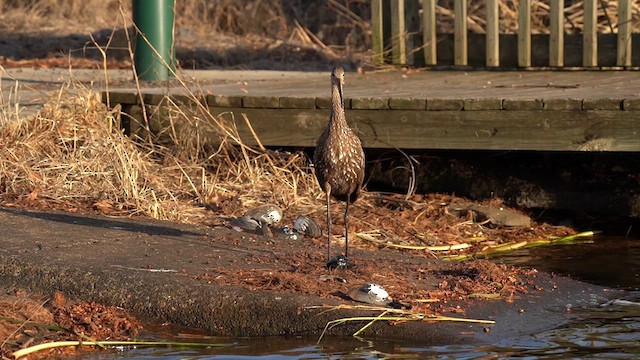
(154, 57)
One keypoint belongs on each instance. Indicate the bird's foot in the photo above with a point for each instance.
(338, 262)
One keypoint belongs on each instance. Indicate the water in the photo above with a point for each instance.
(608, 331)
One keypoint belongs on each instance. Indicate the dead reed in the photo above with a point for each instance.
(331, 20)
(74, 151)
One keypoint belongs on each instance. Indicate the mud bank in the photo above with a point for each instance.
(235, 284)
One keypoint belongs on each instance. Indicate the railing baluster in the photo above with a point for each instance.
(524, 33)
(590, 34)
(398, 33)
(493, 33)
(377, 31)
(460, 32)
(556, 38)
(395, 26)
(624, 33)
(429, 32)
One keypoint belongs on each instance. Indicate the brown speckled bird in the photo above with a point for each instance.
(339, 163)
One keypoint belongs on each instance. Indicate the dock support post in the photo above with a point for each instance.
(154, 54)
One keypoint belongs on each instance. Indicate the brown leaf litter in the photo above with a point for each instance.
(26, 320)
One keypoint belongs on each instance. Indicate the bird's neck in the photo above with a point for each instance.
(337, 107)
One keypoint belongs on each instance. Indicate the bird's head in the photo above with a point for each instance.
(337, 79)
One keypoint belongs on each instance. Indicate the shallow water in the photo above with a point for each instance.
(608, 331)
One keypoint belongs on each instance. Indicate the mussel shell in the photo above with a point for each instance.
(307, 226)
(269, 214)
(245, 223)
(371, 294)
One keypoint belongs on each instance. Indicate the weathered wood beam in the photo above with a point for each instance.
(548, 130)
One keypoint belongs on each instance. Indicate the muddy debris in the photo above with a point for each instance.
(29, 319)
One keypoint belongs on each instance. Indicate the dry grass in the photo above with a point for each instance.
(21, 309)
(333, 21)
(294, 34)
(74, 152)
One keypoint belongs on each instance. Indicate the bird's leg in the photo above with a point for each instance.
(266, 231)
(346, 227)
(328, 191)
(338, 261)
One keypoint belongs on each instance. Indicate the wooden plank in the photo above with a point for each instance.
(602, 104)
(407, 104)
(224, 101)
(590, 34)
(522, 104)
(429, 32)
(325, 103)
(460, 32)
(605, 130)
(453, 85)
(184, 99)
(153, 99)
(265, 102)
(297, 103)
(377, 32)
(493, 34)
(562, 104)
(524, 33)
(370, 103)
(120, 97)
(445, 104)
(624, 33)
(482, 104)
(556, 40)
(631, 104)
(398, 33)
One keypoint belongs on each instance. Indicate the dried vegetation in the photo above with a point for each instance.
(73, 155)
(265, 34)
(31, 320)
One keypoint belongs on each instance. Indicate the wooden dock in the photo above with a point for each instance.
(477, 110)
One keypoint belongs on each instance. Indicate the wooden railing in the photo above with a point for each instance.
(404, 35)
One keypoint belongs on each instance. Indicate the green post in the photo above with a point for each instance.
(155, 56)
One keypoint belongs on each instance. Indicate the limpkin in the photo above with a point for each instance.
(339, 163)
